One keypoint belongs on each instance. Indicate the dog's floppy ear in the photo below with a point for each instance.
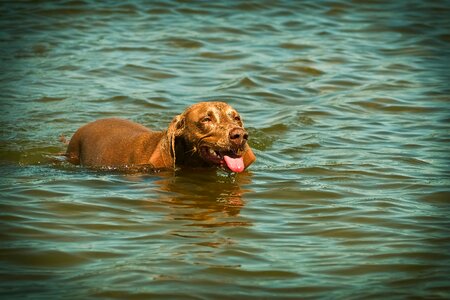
(176, 129)
(248, 156)
(164, 154)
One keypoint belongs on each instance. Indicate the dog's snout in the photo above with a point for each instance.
(238, 136)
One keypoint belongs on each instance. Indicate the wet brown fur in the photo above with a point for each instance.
(116, 142)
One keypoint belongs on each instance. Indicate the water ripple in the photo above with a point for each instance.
(346, 105)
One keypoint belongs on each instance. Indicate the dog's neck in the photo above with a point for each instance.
(162, 157)
(181, 154)
(186, 154)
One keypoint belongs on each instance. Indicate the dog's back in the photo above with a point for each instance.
(112, 142)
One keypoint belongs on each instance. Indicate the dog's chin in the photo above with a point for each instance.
(230, 160)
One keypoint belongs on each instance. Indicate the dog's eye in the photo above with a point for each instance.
(206, 120)
(237, 118)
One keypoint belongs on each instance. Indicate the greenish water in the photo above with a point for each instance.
(347, 107)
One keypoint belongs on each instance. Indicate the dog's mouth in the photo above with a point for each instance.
(231, 159)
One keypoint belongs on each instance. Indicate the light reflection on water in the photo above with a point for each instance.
(347, 108)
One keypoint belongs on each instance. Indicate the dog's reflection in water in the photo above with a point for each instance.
(206, 197)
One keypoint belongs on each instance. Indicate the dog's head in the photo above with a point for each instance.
(211, 133)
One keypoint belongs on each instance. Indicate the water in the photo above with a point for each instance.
(347, 106)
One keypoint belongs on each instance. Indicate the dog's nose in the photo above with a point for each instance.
(238, 136)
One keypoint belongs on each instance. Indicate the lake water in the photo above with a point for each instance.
(347, 107)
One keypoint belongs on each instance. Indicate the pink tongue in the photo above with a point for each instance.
(235, 164)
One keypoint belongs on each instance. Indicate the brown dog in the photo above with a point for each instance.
(206, 134)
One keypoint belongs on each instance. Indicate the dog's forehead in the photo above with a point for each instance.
(221, 108)
(217, 108)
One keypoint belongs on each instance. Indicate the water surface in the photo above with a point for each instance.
(347, 106)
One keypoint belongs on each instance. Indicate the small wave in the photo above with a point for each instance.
(306, 70)
(184, 43)
(227, 55)
(391, 105)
